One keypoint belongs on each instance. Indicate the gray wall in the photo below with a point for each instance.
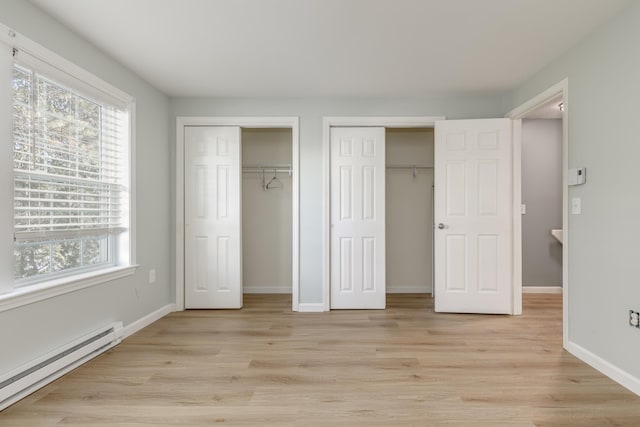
(602, 108)
(311, 111)
(542, 195)
(30, 331)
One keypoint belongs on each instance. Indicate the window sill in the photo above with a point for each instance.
(53, 288)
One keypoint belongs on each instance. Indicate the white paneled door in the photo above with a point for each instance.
(473, 216)
(358, 218)
(212, 212)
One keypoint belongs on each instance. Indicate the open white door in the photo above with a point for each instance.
(358, 218)
(213, 252)
(473, 216)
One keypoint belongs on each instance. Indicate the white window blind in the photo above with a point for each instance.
(70, 173)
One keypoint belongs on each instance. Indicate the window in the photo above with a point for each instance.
(71, 175)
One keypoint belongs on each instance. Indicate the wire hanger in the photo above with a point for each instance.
(274, 182)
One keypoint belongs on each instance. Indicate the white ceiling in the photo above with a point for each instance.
(333, 47)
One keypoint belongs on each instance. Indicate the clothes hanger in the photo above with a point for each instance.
(274, 182)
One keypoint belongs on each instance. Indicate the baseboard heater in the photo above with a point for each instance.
(34, 375)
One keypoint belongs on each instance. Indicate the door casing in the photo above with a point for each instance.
(243, 122)
(518, 113)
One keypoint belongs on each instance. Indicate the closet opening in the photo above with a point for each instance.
(409, 158)
(266, 210)
(237, 210)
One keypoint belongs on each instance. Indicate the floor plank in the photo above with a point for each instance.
(406, 365)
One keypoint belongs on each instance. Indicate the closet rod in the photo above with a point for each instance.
(413, 168)
(408, 167)
(281, 168)
(271, 166)
(259, 170)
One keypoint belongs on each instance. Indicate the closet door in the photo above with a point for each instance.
(358, 218)
(213, 252)
(473, 216)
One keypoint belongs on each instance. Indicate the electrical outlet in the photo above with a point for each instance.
(152, 276)
(634, 318)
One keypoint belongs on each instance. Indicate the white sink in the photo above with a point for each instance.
(557, 233)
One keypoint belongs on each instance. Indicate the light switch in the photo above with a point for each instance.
(523, 209)
(576, 206)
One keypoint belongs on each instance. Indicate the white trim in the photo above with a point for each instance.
(409, 290)
(623, 378)
(7, 257)
(542, 289)
(53, 288)
(23, 43)
(133, 211)
(243, 122)
(311, 307)
(266, 290)
(179, 242)
(145, 321)
(516, 305)
(560, 88)
(522, 110)
(327, 123)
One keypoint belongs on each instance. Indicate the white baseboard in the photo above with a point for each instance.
(145, 321)
(620, 376)
(542, 289)
(311, 307)
(266, 290)
(408, 290)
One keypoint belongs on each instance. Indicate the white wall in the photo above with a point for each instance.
(311, 111)
(409, 211)
(602, 109)
(266, 214)
(30, 331)
(542, 195)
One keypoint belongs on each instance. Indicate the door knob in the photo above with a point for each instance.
(440, 226)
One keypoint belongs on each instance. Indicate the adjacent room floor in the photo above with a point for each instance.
(406, 365)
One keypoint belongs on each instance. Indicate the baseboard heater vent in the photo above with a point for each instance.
(28, 378)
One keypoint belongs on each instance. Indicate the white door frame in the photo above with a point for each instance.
(242, 122)
(327, 124)
(561, 88)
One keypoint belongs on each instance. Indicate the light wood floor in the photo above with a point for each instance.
(264, 365)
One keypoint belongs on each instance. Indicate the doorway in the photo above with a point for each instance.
(542, 199)
(553, 95)
(252, 127)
